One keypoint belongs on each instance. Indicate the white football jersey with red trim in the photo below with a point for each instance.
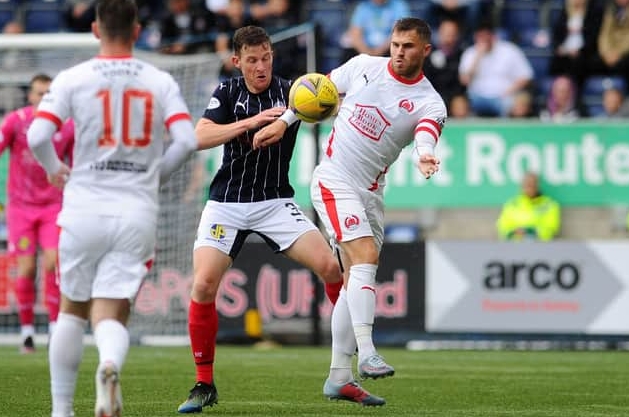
(380, 114)
(120, 107)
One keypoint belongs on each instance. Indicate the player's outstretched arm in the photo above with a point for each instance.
(273, 132)
(211, 134)
(427, 134)
(269, 134)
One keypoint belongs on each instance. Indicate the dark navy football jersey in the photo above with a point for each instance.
(248, 175)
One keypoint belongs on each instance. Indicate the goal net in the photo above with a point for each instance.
(161, 307)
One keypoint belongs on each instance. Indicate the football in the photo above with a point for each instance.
(313, 97)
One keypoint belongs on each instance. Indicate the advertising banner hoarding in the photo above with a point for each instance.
(527, 287)
(482, 164)
(282, 293)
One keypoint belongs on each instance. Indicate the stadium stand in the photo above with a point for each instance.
(535, 44)
(418, 8)
(8, 11)
(592, 95)
(331, 18)
(43, 16)
(520, 15)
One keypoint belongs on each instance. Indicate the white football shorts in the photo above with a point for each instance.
(225, 226)
(346, 211)
(104, 256)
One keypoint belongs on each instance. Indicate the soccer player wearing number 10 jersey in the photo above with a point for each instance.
(108, 221)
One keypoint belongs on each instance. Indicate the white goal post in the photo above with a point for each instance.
(161, 308)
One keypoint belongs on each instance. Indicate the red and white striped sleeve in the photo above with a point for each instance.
(428, 130)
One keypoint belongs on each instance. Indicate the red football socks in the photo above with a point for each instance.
(25, 295)
(333, 291)
(203, 327)
(52, 295)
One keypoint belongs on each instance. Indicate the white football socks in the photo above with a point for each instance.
(343, 342)
(112, 341)
(361, 300)
(65, 352)
(27, 330)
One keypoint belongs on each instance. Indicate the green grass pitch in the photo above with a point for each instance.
(287, 381)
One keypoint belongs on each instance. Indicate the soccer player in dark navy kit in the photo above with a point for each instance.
(250, 193)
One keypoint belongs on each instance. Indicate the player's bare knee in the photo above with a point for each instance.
(27, 271)
(330, 271)
(204, 288)
(49, 266)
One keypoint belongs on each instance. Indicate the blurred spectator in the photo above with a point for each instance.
(11, 96)
(442, 65)
(465, 12)
(615, 104)
(562, 104)
(529, 215)
(13, 27)
(493, 71)
(273, 15)
(230, 16)
(150, 11)
(370, 27)
(523, 106)
(187, 29)
(13, 58)
(613, 39)
(459, 107)
(270, 14)
(79, 15)
(574, 38)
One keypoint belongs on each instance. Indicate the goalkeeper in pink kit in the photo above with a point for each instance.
(32, 209)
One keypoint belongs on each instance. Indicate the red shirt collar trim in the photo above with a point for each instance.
(114, 57)
(404, 80)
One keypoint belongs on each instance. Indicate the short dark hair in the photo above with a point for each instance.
(413, 23)
(485, 24)
(41, 78)
(249, 36)
(117, 18)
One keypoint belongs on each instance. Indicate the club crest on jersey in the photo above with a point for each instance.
(214, 104)
(352, 222)
(217, 232)
(407, 105)
(369, 121)
(24, 243)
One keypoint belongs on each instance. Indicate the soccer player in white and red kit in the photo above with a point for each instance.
(121, 107)
(388, 104)
(32, 208)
